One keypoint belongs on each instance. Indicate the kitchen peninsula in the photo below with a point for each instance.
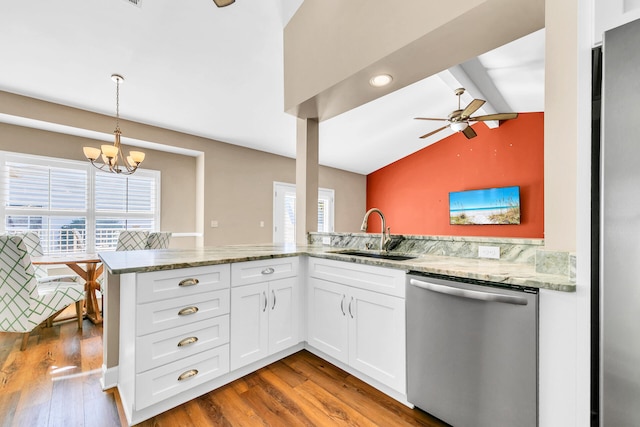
(149, 294)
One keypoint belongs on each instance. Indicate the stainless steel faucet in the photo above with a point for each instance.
(385, 237)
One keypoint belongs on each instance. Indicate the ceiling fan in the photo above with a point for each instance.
(223, 3)
(459, 119)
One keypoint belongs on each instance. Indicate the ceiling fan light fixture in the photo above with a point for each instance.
(380, 80)
(459, 126)
(223, 3)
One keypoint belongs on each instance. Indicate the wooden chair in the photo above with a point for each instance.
(25, 304)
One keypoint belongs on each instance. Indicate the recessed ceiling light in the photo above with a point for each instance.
(380, 80)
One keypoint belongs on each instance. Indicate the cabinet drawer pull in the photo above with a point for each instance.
(190, 373)
(350, 312)
(187, 341)
(189, 282)
(269, 270)
(265, 301)
(342, 305)
(188, 310)
(273, 293)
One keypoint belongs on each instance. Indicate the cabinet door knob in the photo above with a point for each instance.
(188, 374)
(188, 310)
(189, 282)
(187, 341)
(269, 270)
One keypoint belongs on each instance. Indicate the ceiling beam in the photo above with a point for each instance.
(327, 72)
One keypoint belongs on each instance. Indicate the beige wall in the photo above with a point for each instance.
(238, 182)
(353, 204)
(177, 172)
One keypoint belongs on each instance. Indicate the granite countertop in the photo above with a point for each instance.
(500, 272)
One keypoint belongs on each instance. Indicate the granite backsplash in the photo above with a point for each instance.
(524, 251)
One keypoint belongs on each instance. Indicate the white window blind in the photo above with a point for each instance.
(42, 187)
(289, 219)
(123, 203)
(71, 205)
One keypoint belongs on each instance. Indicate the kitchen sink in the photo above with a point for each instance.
(379, 255)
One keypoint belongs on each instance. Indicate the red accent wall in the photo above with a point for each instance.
(413, 192)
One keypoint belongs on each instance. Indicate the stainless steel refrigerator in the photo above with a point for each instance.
(619, 232)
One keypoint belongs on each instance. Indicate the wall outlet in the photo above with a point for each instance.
(214, 224)
(489, 252)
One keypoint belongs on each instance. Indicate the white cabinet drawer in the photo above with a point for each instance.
(165, 314)
(246, 273)
(161, 383)
(158, 285)
(370, 277)
(177, 343)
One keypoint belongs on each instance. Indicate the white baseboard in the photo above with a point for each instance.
(109, 377)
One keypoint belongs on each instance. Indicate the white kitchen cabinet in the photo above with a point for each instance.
(377, 337)
(174, 335)
(284, 319)
(327, 327)
(264, 309)
(359, 327)
(249, 324)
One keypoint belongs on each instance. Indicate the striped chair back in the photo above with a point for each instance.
(158, 240)
(129, 240)
(34, 248)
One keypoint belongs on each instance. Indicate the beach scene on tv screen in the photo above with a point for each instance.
(484, 207)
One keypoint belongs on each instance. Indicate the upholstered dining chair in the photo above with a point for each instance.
(25, 304)
(132, 240)
(34, 248)
(158, 240)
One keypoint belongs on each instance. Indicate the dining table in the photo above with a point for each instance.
(86, 265)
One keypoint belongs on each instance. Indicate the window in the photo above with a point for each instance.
(71, 205)
(284, 212)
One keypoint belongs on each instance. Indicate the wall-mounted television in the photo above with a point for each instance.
(489, 206)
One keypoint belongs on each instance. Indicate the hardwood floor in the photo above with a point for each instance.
(55, 382)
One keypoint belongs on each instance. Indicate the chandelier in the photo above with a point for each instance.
(111, 155)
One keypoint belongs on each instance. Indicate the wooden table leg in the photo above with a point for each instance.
(93, 309)
(90, 275)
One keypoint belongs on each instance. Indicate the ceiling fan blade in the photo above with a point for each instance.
(429, 118)
(471, 108)
(469, 132)
(499, 116)
(435, 131)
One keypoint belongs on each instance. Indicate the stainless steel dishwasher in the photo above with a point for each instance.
(472, 352)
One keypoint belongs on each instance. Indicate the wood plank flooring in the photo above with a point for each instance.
(55, 382)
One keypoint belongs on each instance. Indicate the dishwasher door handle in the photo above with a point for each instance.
(466, 293)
